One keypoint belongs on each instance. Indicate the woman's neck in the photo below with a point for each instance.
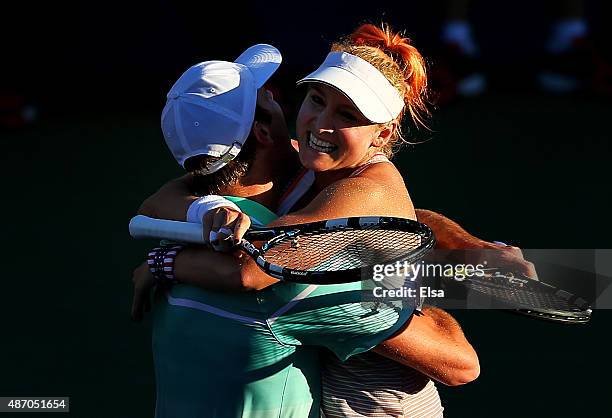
(325, 178)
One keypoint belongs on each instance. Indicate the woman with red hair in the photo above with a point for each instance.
(348, 127)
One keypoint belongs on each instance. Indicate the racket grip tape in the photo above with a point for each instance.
(145, 227)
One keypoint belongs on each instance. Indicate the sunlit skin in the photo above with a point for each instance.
(331, 117)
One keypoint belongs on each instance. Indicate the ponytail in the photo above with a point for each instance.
(400, 62)
(407, 58)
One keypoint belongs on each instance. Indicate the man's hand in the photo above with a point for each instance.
(476, 251)
(503, 256)
(143, 284)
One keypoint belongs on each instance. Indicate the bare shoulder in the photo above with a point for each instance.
(384, 173)
(390, 188)
(377, 191)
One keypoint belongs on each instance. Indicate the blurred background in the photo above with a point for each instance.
(519, 151)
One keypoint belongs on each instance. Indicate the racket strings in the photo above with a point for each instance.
(342, 249)
(530, 295)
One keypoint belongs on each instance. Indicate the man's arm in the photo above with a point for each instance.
(434, 344)
(451, 236)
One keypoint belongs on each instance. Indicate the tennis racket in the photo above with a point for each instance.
(324, 252)
(516, 293)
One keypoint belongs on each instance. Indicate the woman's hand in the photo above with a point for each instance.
(143, 284)
(224, 227)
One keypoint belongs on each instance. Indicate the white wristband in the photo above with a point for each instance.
(199, 207)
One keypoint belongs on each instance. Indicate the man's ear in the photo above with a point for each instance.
(262, 133)
(385, 134)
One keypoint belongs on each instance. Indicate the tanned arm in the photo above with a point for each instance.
(203, 267)
(433, 343)
(171, 201)
(451, 236)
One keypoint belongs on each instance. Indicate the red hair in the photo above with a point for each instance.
(394, 56)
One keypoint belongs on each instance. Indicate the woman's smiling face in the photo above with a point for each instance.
(332, 132)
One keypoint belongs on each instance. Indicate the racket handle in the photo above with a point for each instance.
(145, 227)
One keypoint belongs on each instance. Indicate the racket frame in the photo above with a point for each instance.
(580, 315)
(332, 225)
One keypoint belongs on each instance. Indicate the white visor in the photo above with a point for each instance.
(362, 83)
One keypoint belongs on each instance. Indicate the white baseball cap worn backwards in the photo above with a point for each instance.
(362, 83)
(211, 108)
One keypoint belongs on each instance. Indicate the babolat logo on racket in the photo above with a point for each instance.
(249, 247)
(298, 273)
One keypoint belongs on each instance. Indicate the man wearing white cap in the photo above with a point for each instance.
(214, 352)
(211, 107)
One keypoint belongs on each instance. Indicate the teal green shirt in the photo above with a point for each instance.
(255, 354)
